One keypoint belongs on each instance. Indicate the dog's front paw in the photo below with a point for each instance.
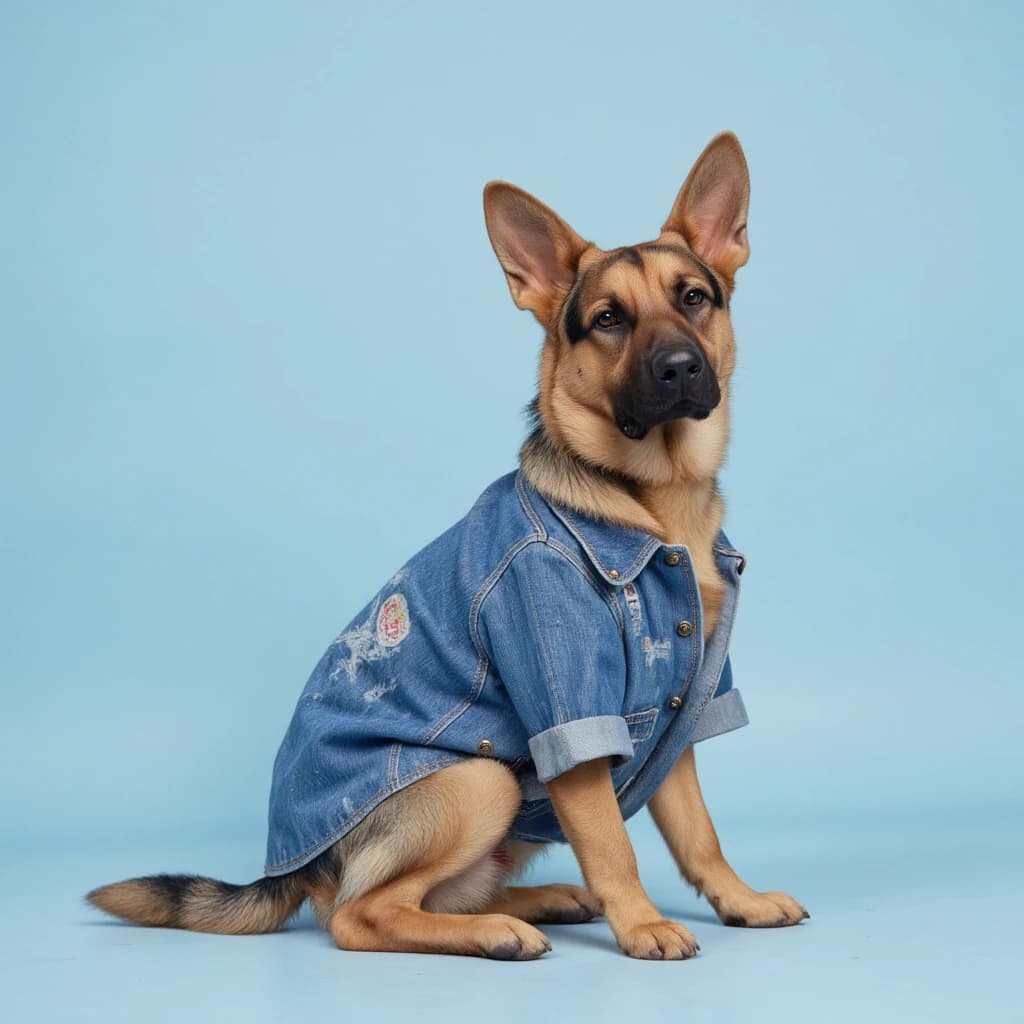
(658, 940)
(758, 909)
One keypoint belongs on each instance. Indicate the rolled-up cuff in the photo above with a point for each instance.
(723, 714)
(562, 747)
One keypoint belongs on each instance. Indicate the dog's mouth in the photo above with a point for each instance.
(637, 428)
(632, 428)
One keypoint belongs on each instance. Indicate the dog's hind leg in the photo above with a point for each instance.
(539, 904)
(422, 837)
(547, 904)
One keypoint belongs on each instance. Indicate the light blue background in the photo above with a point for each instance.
(257, 351)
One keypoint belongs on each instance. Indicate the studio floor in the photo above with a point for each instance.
(914, 918)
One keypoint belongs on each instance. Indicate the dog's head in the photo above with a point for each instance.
(638, 339)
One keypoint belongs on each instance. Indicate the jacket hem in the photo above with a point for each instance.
(312, 852)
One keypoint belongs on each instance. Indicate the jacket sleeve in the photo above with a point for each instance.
(725, 710)
(557, 648)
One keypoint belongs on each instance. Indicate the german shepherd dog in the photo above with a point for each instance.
(632, 419)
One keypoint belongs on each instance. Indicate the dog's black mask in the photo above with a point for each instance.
(673, 381)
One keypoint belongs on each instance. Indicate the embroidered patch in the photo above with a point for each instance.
(633, 604)
(393, 621)
(655, 650)
(363, 640)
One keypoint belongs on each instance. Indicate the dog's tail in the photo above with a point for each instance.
(203, 904)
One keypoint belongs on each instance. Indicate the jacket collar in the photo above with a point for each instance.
(618, 553)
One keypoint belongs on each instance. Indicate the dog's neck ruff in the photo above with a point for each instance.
(569, 480)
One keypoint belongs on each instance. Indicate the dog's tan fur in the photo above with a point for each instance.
(419, 874)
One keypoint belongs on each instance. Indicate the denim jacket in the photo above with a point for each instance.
(527, 633)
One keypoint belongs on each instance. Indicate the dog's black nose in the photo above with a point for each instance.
(676, 369)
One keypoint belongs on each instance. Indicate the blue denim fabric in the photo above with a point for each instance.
(527, 633)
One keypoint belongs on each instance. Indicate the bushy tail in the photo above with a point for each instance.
(203, 904)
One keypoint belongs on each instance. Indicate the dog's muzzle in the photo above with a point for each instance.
(673, 382)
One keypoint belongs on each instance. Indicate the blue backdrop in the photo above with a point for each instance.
(257, 351)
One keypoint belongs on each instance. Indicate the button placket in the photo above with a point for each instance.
(684, 628)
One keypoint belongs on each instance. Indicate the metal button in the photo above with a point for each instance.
(741, 566)
(673, 558)
(614, 573)
(675, 703)
(485, 748)
(684, 628)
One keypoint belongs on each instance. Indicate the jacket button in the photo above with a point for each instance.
(684, 628)
(675, 702)
(673, 558)
(485, 748)
(742, 565)
(613, 573)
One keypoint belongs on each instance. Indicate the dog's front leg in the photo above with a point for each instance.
(589, 814)
(679, 812)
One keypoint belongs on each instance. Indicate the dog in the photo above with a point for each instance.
(543, 669)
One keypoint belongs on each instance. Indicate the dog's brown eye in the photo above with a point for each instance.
(607, 320)
(693, 297)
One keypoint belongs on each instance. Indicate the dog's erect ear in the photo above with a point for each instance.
(710, 211)
(538, 251)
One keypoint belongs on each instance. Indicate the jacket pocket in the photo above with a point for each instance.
(641, 724)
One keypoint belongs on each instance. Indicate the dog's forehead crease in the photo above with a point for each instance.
(694, 264)
(638, 270)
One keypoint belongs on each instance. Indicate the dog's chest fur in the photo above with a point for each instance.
(712, 590)
(692, 515)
